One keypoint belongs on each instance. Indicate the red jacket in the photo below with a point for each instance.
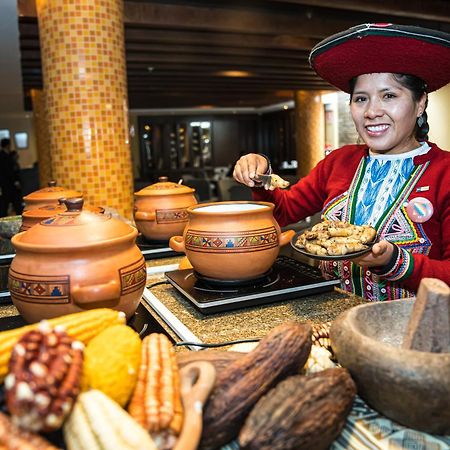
(331, 188)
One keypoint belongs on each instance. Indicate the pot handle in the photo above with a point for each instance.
(143, 215)
(176, 243)
(286, 237)
(97, 293)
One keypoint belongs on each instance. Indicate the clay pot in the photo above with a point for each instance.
(160, 209)
(48, 196)
(34, 216)
(74, 261)
(231, 240)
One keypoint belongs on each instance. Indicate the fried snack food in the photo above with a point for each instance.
(277, 182)
(336, 238)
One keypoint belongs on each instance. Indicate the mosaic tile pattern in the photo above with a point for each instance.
(39, 289)
(83, 61)
(310, 126)
(42, 137)
(174, 215)
(234, 242)
(133, 277)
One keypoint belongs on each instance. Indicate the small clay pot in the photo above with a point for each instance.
(48, 196)
(34, 216)
(74, 261)
(160, 210)
(231, 240)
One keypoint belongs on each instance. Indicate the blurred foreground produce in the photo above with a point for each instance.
(99, 423)
(241, 384)
(44, 378)
(14, 438)
(111, 363)
(301, 412)
(81, 326)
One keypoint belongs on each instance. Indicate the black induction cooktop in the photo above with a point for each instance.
(288, 278)
(154, 249)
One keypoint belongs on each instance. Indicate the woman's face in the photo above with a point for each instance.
(385, 113)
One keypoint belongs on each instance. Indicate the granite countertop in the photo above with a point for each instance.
(249, 322)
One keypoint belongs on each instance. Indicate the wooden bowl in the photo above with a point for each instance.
(408, 386)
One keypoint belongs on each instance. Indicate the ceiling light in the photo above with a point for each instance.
(234, 73)
(150, 68)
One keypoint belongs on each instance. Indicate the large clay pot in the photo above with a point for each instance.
(160, 210)
(231, 240)
(34, 216)
(74, 261)
(48, 196)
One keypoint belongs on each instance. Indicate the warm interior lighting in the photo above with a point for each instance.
(285, 107)
(234, 73)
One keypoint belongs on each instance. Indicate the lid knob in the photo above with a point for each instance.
(74, 204)
(163, 179)
(52, 183)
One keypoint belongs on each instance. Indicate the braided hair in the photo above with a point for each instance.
(417, 87)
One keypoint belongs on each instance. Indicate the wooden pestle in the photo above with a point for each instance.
(429, 325)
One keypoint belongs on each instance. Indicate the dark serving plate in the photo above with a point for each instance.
(329, 257)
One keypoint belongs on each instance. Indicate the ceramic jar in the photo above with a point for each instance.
(74, 261)
(48, 196)
(160, 210)
(34, 216)
(231, 240)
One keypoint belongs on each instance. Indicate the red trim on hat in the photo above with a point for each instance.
(377, 54)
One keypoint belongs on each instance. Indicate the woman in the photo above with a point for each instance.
(397, 182)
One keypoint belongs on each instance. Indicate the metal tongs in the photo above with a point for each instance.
(264, 180)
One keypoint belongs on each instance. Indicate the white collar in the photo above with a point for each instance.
(424, 148)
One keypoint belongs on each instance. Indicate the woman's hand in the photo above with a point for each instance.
(248, 166)
(379, 256)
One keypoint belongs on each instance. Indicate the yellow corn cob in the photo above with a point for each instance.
(156, 402)
(99, 423)
(111, 363)
(82, 326)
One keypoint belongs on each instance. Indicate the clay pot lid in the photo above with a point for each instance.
(164, 187)
(74, 228)
(52, 193)
(44, 212)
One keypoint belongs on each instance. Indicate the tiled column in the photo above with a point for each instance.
(310, 130)
(42, 137)
(83, 60)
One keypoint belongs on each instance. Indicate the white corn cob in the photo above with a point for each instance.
(99, 423)
(319, 359)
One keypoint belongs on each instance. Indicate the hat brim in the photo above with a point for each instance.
(383, 48)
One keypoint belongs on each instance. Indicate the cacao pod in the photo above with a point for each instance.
(240, 385)
(301, 412)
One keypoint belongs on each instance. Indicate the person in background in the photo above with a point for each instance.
(11, 193)
(397, 181)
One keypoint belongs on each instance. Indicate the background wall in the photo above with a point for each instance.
(439, 117)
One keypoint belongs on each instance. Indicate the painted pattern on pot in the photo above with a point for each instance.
(39, 289)
(133, 277)
(244, 241)
(175, 215)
